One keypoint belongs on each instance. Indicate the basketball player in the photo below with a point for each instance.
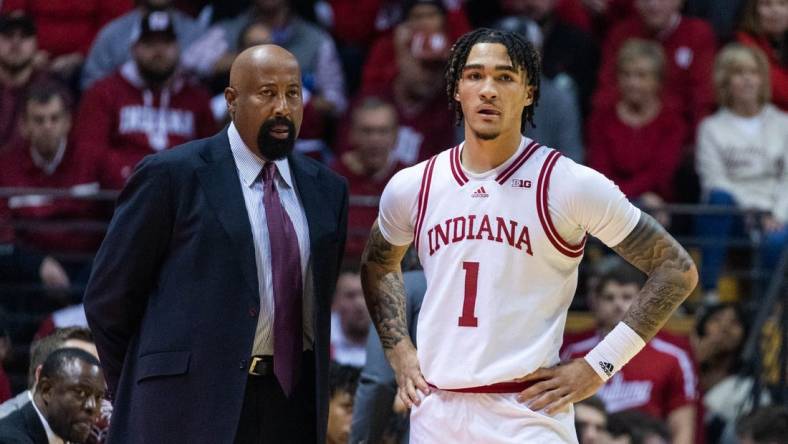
(499, 223)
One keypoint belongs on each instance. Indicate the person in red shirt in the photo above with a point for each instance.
(425, 122)
(368, 166)
(423, 20)
(45, 159)
(68, 27)
(689, 45)
(661, 380)
(144, 107)
(638, 141)
(765, 26)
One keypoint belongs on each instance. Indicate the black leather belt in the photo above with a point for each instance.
(261, 365)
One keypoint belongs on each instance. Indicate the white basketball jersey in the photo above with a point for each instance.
(500, 278)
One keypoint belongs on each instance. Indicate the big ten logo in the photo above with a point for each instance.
(521, 183)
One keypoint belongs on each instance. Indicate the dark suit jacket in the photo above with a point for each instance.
(23, 427)
(173, 299)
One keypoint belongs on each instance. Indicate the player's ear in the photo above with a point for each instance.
(529, 95)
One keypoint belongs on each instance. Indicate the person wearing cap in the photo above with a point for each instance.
(146, 106)
(67, 28)
(18, 70)
(112, 46)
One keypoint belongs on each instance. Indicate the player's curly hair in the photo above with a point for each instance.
(523, 54)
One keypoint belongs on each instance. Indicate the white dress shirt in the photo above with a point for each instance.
(249, 168)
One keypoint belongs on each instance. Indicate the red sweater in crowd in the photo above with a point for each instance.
(364, 192)
(689, 52)
(121, 121)
(639, 159)
(380, 67)
(777, 69)
(73, 171)
(67, 26)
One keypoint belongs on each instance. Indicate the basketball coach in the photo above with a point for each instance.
(210, 296)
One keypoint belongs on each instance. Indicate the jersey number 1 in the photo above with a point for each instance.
(468, 319)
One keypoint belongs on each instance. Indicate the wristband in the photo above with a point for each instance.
(614, 351)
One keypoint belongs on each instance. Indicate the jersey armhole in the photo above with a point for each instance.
(542, 210)
(423, 197)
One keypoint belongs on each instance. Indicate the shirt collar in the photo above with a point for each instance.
(249, 165)
(48, 166)
(51, 437)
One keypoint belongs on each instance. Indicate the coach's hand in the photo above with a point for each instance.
(406, 368)
(556, 387)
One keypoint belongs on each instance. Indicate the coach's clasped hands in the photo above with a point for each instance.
(406, 367)
(556, 387)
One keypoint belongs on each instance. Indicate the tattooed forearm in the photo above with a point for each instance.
(671, 275)
(384, 290)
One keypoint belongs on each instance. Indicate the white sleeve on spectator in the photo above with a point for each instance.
(329, 77)
(589, 203)
(398, 205)
(708, 162)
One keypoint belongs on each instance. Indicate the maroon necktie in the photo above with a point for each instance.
(286, 277)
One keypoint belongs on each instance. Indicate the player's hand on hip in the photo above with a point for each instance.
(406, 368)
(556, 387)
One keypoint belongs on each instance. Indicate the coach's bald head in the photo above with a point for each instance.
(264, 100)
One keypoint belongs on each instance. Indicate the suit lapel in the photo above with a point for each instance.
(33, 424)
(219, 180)
(309, 191)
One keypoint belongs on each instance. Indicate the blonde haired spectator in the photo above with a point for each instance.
(741, 159)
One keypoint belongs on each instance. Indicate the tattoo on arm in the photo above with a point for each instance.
(671, 275)
(384, 289)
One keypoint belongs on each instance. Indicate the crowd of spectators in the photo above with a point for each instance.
(677, 101)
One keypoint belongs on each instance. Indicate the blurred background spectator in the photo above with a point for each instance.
(368, 164)
(350, 322)
(45, 157)
(688, 44)
(764, 26)
(741, 161)
(717, 343)
(591, 421)
(767, 425)
(19, 68)
(638, 141)
(660, 380)
(113, 44)
(342, 382)
(67, 29)
(634, 427)
(145, 106)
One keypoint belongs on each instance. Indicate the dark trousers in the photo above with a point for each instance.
(269, 416)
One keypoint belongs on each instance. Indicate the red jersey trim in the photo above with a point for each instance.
(424, 194)
(544, 214)
(518, 162)
(501, 387)
(456, 166)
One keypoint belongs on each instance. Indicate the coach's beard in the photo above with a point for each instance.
(273, 148)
